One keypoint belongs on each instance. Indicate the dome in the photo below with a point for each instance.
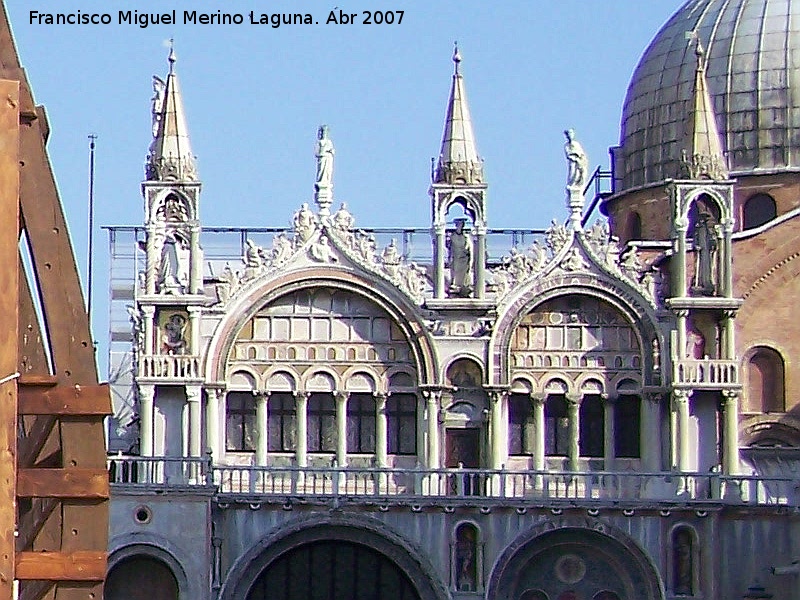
(753, 74)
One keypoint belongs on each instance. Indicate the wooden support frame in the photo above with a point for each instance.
(52, 443)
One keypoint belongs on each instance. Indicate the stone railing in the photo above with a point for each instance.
(418, 485)
(169, 366)
(159, 472)
(708, 373)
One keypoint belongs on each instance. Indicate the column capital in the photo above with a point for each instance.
(730, 313)
(193, 393)
(496, 393)
(341, 395)
(298, 395)
(731, 395)
(573, 399)
(681, 312)
(681, 396)
(610, 398)
(147, 392)
(432, 394)
(194, 310)
(654, 397)
(147, 309)
(538, 397)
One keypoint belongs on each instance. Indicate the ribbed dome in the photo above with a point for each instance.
(753, 71)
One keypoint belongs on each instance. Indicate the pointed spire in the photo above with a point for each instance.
(459, 162)
(170, 156)
(703, 159)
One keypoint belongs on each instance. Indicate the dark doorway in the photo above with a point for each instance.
(140, 578)
(333, 570)
(463, 452)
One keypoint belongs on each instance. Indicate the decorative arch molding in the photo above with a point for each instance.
(471, 201)
(161, 197)
(264, 293)
(768, 272)
(592, 532)
(362, 530)
(132, 545)
(685, 201)
(476, 361)
(641, 316)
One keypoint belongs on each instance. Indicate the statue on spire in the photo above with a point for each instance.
(323, 187)
(577, 162)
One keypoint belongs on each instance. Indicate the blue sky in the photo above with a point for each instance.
(255, 96)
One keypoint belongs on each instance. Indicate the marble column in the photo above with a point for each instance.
(609, 432)
(193, 395)
(262, 428)
(499, 437)
(381, 431)
(480, 260)
(146, 399)
(432, 399)
(195, 313)
(438, 256)
(341, 428)
(679, 273)
(301, 406)
(196, 262)
(152, 260)
(539, 431)
(730, 450)
(573, 415)
(213, 437)
(680, 400)
(150, 343)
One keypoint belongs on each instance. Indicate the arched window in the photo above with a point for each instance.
(556, 425)
(634, 226)
(521, 434)
(240, 422)
(361, 423)
(321, 433)
(758, 209)
(465, 563)
(533, 595)
(765, 381)
(592, 426)
(684, 567)
(627, 421)
(401, 417)
(282, 422)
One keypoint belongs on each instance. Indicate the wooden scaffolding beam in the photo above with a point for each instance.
(52, 452)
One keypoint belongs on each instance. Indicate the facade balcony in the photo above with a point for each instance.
(176, 368)
(706, 374)
(486, 487)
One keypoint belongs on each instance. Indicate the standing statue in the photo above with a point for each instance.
(577, 162)
(705, 246)
(304, 224)
(157, 102)
(324, 155)
(460, 260)
(172, 273)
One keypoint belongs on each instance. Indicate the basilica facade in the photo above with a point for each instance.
(603, 409)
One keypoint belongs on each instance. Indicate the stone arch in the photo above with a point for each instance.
(633, 308)
(243, 379)
(711, 200)
(532, 560)
(359, 379)
(466, 556)
(132, 546)
(684, 560)
(280, 380)
(769, 431)
(321, 380)
(185, 205)
(471, 203)
(409, 558)
(266, 291)
(464, 368)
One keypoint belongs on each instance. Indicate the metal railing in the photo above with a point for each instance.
(485, 485)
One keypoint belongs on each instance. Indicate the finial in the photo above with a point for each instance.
(456, 56)
(171, 58)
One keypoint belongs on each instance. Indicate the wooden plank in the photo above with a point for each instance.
(31, 445)
(9, 328)
(33, 379)
(83, 565)
(75, 400)
(63, 483)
